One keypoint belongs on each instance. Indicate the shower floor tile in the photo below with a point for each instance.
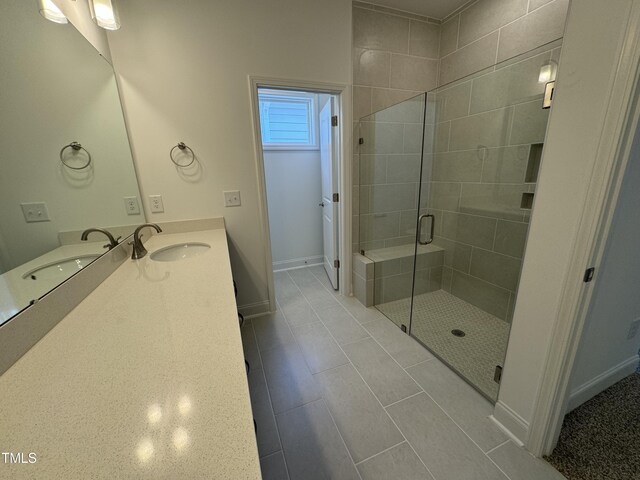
(475, 355)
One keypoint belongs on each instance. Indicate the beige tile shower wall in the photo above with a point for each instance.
(395, 57)
(486, 127)
(490, 31)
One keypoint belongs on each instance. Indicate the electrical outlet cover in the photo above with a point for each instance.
(156, 204)
(131, 205)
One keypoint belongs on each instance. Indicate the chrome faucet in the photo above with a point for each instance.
(138, 248)
(113, 242)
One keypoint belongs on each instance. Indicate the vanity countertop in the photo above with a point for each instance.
(144, 379)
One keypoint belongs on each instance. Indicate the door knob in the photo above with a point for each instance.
(321, 204)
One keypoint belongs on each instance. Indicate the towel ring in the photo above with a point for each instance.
(182, 147)
(77, 147)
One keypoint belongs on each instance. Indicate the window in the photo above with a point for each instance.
(287, 120)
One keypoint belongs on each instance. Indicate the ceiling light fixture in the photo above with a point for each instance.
(50, 11)
(105, 14)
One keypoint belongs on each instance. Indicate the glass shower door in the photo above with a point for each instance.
(482, 148)
(390, 159)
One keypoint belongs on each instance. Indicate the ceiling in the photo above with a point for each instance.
(429, 8)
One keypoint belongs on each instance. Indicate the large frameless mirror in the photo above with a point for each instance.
(65, 159)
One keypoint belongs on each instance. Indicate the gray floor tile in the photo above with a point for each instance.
(443, 447)
(519, 464)
(363, 423)
(319, 348)
(321, 301)
(462, 403)
(267, 435)
(318, 297)
(288, 378)
(323, 278)
(272, 331)
(312, 445)
(400, 346)
(361, 313)
(250, 347)
(299, 312)
(284, 286)
(302, 277)
(273, 467)
(382, 373)
(398, 463)
(342, 325)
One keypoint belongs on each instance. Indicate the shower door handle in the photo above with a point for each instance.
(430, 239)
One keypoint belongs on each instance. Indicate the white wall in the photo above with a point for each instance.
(293, 194)
(78, 14)
(605, 352)
(593, 37)
(57, 89)
(183, 69)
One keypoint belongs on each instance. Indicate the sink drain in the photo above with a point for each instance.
(458, 333)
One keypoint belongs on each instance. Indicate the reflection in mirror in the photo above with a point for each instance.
(65, 160)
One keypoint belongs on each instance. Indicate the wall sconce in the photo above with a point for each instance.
(51, 12)
(548, 72)
(547, 76)
(105, 14)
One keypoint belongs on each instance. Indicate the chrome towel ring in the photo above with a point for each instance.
(76, 147)
(184, 148)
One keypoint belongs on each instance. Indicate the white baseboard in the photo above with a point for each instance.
(297, 263)
(512, 424)
(599, 384)
(252, 310)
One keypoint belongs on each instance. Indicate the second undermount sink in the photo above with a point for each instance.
(179, 251)
(60, 269)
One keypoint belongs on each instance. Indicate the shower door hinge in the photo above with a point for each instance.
(497, 375)
(361, 141)
(336, 197)
(334, 121)
(336, 263)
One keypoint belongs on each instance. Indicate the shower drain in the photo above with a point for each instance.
(458, 333)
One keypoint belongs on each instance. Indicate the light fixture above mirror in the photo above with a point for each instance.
(50, 11)
(105, 14)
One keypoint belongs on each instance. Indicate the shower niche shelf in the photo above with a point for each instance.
(533, 164)
(527, 201)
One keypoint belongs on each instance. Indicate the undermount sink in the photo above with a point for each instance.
(60, 269)
(179, 251)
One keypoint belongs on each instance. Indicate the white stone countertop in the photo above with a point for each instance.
(144, 379)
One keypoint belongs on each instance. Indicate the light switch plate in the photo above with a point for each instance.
(132, 206)
(156, 204)
(35, 212)
(232, 198)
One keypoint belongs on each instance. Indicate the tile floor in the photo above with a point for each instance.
(339, 392)
(476, 354)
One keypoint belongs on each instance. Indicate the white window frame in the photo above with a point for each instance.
(309, 98)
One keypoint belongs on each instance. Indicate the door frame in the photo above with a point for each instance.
(343, 101)
(621, 121)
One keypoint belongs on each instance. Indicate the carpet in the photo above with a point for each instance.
(600, 440)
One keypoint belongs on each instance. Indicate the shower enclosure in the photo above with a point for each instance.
(447, 181)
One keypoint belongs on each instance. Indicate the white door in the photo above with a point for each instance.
(328, 159)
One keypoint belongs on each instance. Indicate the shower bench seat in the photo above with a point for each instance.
(386, 274)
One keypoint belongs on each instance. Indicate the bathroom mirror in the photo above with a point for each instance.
(56, 89)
